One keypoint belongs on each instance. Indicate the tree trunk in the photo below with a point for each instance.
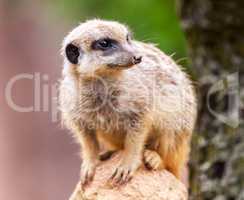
(215, 35)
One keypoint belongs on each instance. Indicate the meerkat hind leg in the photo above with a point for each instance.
(174, 150)
(152, 160)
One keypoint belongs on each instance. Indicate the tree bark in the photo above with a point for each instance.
(215, 36)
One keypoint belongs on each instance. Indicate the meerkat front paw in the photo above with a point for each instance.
(152, 160)
(124, 172)
(88, 169)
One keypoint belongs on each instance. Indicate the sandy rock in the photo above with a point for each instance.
(145, 185)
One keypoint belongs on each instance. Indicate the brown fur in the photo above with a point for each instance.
(148, 110)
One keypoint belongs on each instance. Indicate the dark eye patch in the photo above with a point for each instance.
(72, 52)
(104, 44)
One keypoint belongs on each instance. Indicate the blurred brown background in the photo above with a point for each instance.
(39, 160)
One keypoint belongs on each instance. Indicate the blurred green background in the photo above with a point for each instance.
(151, 21)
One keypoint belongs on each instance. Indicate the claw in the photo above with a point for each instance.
(123, 173)
(114, 174)
(87, 173)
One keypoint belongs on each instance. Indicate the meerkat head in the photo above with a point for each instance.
(98, 46)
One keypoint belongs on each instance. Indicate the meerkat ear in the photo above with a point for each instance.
(72, 53)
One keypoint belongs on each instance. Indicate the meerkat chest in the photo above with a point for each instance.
(110, 108)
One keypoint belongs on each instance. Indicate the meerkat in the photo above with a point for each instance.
(117, 93)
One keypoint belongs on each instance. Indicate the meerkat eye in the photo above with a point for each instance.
(104, 44)
(72, 53)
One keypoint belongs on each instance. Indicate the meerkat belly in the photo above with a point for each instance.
(111, 141)
(112, 123)
(109, 126)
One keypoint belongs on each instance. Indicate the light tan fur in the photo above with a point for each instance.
(148, 110)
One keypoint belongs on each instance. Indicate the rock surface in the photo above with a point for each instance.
(153, 185)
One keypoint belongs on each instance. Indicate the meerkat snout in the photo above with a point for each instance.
(137, 60)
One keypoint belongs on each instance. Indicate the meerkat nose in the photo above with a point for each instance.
(137, 59)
